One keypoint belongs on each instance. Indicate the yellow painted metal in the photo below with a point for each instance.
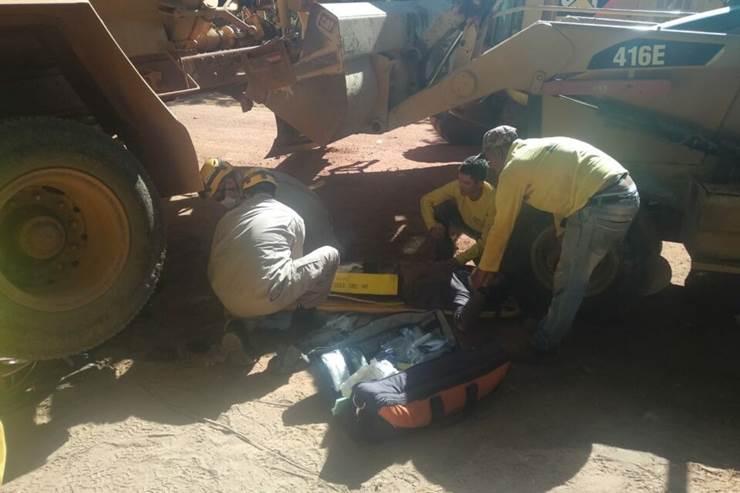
(532, 11)
(668, 162)
(3, 452)
(568, 48)
(363, 283)
(102, 255)
(341, 303)
(713, 225)
(112, 88)
(338, 305)
(521, 98)
(283, 14)
(136, 25)
(498, 69)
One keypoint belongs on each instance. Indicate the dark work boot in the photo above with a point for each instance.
(304, 318)
(234, 348)
(288, 360)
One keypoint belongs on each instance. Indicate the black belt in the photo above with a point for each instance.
(611, 199)
(615, 185)
(614, 192)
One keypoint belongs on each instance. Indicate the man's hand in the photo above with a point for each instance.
(480, 279)
(436, 232)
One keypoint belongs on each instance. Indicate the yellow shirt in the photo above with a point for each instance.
(555, 174)
(477, 214)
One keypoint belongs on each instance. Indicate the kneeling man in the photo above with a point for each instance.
(257, 266)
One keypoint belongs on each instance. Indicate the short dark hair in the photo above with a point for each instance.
(475, 167)
(264, 187)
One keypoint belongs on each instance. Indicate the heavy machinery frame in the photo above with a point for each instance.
(87, 145)
(635, 87)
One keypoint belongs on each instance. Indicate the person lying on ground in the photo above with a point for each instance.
(468, 303)
(575, 182)
(465, 205)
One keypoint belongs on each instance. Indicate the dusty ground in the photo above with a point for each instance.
(650, 403)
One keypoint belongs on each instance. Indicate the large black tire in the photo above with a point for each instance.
(106, 277)
(616, 284)
(457, 131)
(467, 124)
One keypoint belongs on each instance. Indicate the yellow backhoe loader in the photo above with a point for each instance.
(87, 145)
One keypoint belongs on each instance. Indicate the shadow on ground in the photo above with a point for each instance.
(375, 212)
(170, 392)
(160, 387)
(440, 151)
(209, 98)
(666, 383)
(665, 380)
(305, 165)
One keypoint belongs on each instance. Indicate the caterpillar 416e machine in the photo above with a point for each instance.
(87, 146)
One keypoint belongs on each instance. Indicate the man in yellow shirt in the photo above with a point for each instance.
(465, 205)
(573, 181)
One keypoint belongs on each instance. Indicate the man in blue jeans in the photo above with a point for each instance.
(581, 186)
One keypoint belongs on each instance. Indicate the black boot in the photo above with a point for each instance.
(304, 318)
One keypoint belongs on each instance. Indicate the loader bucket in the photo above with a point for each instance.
(288, 140)
(342, 80)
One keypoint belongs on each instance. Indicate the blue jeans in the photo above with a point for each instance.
(589, 235)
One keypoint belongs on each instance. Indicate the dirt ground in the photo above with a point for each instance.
(647, 403)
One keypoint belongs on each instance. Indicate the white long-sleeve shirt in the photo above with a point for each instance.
(251, 247)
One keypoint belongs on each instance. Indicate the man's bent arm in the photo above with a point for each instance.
(476, 250)
(432, 199)
(509, 197)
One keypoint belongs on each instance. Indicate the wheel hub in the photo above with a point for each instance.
(64, 238)
(46, 235)
(42, 237)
